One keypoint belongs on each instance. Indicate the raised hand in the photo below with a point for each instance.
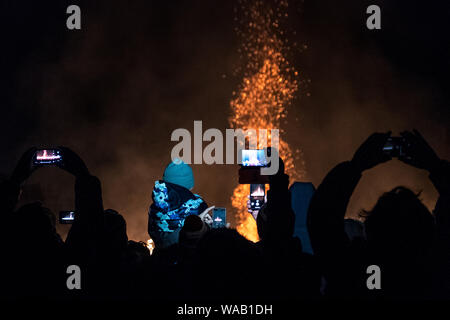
(371, 153)
(72, 163)
(24, 167)
(206, 216)
(418, 152)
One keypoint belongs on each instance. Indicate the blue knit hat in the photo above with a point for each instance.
(180, 173)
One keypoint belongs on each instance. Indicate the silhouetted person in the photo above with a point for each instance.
(172, 203)
(97, 240)
(190, 235)
(228, 267)
(400, 230)
(32, 251)
(290, 273)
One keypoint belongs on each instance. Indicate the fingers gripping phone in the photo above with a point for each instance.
(47, 157)
(219, 218)
(257, 193)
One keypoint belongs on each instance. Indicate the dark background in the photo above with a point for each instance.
(116, 89)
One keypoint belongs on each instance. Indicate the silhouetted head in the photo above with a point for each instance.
(354, 229)
(275, 225)
(115, 230)
(192, 231)
(228, 263)
(36, 225)
(399, 221)
(138, 250)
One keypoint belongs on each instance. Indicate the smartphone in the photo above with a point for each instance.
(47, 156)
(257, 193)
(254, 158)
(219, 218)
(66, 217)
(395, 147)
(250, 170)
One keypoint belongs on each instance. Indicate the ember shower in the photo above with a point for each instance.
(268, 87)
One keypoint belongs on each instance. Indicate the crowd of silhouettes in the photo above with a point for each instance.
(307, 247)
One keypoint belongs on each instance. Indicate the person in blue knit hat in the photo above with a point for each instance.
(180, 173)
(172, 203)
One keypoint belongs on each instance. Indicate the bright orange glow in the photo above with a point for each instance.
(150, 245)
(268, 87)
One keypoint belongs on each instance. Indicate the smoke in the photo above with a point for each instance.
(359, 82)
(116, 90)
(121, 85)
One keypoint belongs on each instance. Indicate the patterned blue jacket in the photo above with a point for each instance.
(171, 205)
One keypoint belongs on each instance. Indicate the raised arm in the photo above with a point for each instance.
(419, 154)
(329, 203)
(10, 188)
(85, 235)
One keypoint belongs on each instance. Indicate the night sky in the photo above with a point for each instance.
(116, 89)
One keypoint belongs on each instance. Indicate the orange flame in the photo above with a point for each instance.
(267, 89)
